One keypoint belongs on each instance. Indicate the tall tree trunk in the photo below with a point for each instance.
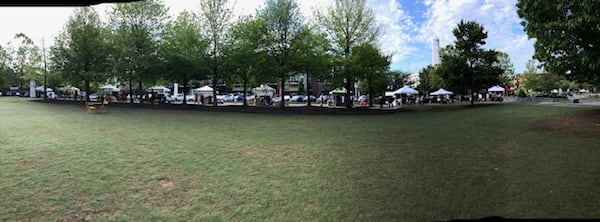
(20, 79)
(130, 91)
(214, 86)
(185, 88)
(87, 83)
(307, 90)
(140, 89)
(87, 90)
(245, 83)
(282, 105)
(370, 91)
(471, 87)
(348, 100)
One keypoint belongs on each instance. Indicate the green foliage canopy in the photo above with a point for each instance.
(566, 34)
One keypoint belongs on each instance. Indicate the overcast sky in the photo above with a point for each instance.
(408, 26)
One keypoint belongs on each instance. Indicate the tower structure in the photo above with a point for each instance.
(435, 52)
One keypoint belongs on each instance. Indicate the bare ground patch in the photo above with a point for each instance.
(158, 195)
(86, 215)
(585, 124)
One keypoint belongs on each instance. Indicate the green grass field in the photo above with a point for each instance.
(58, 162)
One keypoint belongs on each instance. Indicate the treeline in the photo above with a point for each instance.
(140, 44)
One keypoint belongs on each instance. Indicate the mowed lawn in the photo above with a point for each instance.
(435, 163)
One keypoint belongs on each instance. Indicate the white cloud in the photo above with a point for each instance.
(396, 29)
(47, 22)
(402, 35)
(498, 17)
(35, 22)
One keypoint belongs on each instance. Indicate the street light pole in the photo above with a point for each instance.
(45, 69)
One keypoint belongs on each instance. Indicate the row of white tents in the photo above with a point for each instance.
(406, 90)
(265, 90)
(262, 90)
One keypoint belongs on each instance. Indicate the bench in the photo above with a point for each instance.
(93, 106)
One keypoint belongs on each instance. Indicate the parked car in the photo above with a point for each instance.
(297, 98)
(51, 95)
(311, 97)
(189, 98)
(276, 99)
(227, 98)
(323, 98)
(173, 98)
(238, 97)
(361, 98)
(219, 99)
(94, 97)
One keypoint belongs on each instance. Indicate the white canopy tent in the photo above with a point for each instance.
(496, 88)
(41, 88)
(406, 90)
(340, 90)
(159, 89)
(204, 90)
(109, 87)
(441, 92)
(264, 90)
(69, 88)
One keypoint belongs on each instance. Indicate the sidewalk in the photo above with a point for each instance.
(594, 104)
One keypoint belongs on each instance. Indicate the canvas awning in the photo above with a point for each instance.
(441, 91)
(264, 90)
(340, 90)
(110, 87)
(406, 90)
(203, 89)
(41, 88)
(68, 88)
(159, 89)
(496, 88)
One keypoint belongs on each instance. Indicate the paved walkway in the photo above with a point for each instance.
(594, 104)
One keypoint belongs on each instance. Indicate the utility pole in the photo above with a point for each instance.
(45, 69)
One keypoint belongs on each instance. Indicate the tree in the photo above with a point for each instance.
(243, 59)
(566, 34)
(311, 56)
(543, 83)
(397, 79)
(80, 53)
(137, 30)
(348, 23)
(369, 65)
(26, 59)
(217, 16)
(508, 71)
(183, 50)
(426, 76)
(282, 24)
(7, 74)
(466, 65)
